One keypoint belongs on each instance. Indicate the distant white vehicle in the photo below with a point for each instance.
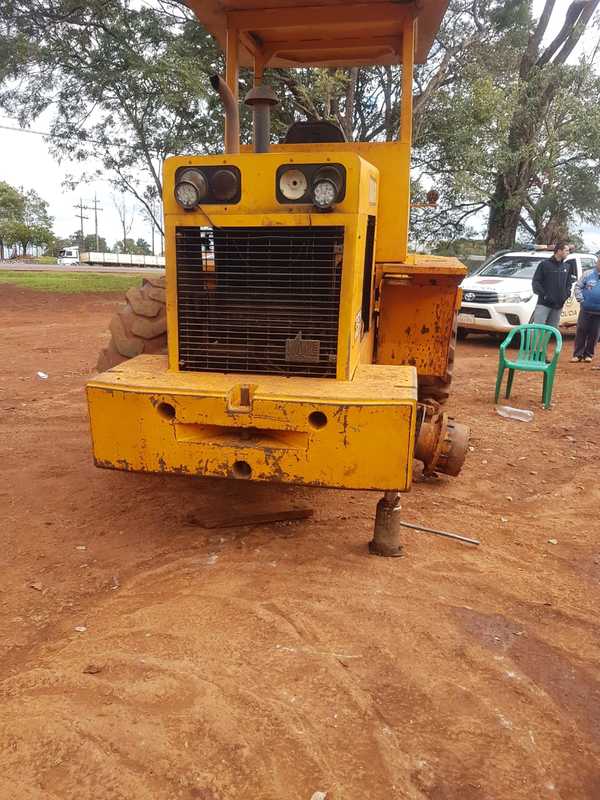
(122, 260)
(71, 255)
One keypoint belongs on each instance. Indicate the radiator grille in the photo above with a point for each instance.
(479, 297)
(259, 300)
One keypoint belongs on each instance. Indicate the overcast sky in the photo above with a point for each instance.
(25, 161)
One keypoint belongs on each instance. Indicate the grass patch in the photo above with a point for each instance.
(69, 282)
(44, 260)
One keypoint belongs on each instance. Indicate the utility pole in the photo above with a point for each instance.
(81, 208)
(97, 208)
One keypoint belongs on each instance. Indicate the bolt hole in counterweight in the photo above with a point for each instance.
(241, 469)
(317, 419)
(166, 411)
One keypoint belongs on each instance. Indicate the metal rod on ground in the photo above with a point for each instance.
(440, 533)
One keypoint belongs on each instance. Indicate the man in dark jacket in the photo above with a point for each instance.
(587, 294)
(552, 282)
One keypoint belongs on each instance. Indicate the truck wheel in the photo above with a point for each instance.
(140, 326)
(438, 389)
(462, 333)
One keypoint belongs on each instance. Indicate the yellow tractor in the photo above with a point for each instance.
(306, 344)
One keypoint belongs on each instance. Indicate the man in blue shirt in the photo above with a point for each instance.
(587, 294)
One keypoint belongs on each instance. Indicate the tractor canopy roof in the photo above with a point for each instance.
(321, 33)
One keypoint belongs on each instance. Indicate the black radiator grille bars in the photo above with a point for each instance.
(259, 300)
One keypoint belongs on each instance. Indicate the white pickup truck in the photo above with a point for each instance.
(499, 296)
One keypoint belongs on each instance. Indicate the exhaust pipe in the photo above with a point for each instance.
(260, 99)
(232, 114)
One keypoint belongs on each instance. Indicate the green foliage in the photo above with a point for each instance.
(89, 244)
(142, 247)
(59, 244)
(128, 84)
(12, 202)
(69, 282)
(24, 218)
(44, 260)
(502, 126)
(12, 205)
(512, 136)
(136, 248)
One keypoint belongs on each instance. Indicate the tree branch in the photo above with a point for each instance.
(578, 15)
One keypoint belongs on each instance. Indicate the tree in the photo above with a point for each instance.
(142, 248)
(136, 248)
(59, 243)
(12, 205)
(128, 84)
(466, 141)
(24, 218)
(26, 235)
(89, 243)
(126, 218)
(151, 214)
(565, 189)
(541, 76)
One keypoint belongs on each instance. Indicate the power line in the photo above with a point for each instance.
(47, 134)
(26, 130)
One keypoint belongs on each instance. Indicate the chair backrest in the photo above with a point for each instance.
(535, 339)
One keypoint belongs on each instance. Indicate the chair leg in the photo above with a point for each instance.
(509, 382)
(499, 381)
(548, 386)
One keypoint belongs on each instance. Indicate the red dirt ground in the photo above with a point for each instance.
(278, 661)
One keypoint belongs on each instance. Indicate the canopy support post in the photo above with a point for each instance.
(259, 68)
(232, 66)
(408, 63)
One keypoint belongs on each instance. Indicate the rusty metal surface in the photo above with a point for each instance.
(442, 443)
(313, 431)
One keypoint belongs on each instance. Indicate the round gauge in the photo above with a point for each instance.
(324, 193)
(293, 184)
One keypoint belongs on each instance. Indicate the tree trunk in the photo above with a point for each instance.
(503, 220)
(350, 100)
(555, 230)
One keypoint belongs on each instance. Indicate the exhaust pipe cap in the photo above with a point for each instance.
(261, 95)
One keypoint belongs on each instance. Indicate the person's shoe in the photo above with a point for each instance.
(575, 358)
(587, 359)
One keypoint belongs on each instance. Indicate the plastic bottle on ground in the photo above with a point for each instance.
(522, 414)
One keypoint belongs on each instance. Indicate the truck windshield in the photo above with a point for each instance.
(513, 267)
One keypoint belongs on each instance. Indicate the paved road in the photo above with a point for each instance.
(19, 266)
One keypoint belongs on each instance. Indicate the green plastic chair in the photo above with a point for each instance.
(531, 357)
